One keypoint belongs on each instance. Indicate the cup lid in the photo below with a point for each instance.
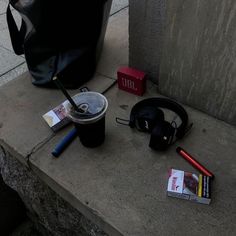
(92, 106)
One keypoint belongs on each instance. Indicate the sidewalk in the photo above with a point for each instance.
(11, 65)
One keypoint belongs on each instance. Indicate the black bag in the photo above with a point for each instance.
(59, 38)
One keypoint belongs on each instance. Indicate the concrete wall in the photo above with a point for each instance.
(189, 49)
(146, 20)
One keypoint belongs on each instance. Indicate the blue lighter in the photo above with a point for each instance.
(64, 143)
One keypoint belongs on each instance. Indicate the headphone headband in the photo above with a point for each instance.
(162, 103)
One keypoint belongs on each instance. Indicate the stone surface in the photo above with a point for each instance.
(146, 19)
(3, 7)
(46, 208)
(11, 65)
(199, 62)
(8, 60)
(5, 41)
(117, 5)
(115, 49)
(26, 229)
(121, 185)
(3, 23)
(12, 209)
(13, 73)
(189, 49)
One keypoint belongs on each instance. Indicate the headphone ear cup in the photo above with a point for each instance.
(147, 117)
(161, 136)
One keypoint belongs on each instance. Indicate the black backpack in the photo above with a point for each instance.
(59, 38)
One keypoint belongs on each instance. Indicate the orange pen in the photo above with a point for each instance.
(193, 162)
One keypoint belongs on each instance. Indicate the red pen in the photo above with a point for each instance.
(193, 162)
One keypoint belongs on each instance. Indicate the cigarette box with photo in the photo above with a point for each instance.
(56, 118)
(189, 186)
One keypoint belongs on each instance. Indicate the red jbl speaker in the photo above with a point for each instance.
(131, 80)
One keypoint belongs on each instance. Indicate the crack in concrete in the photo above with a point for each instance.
(119, 10)
(20, 64)
(37, 147)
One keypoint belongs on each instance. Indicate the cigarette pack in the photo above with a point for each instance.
(189, 186)
(56, 118)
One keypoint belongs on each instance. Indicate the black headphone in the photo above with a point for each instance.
(147, 116)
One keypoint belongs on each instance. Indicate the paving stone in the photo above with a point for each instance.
(13, 74)
(118, 5)
(3, 7)
(3, 24)
(8, 60)
(5, 40)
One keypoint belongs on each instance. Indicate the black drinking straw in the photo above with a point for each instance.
(61, 87)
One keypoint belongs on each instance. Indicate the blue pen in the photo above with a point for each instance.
(64, 143)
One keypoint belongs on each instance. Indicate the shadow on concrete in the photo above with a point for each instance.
(12, 209)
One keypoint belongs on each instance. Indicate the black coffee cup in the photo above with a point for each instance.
(90, 119)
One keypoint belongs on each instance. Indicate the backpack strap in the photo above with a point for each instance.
(17, 36)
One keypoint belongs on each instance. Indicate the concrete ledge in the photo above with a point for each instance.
(121, 186)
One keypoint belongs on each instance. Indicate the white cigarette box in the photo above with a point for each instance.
(189, 186)
(56, 118)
